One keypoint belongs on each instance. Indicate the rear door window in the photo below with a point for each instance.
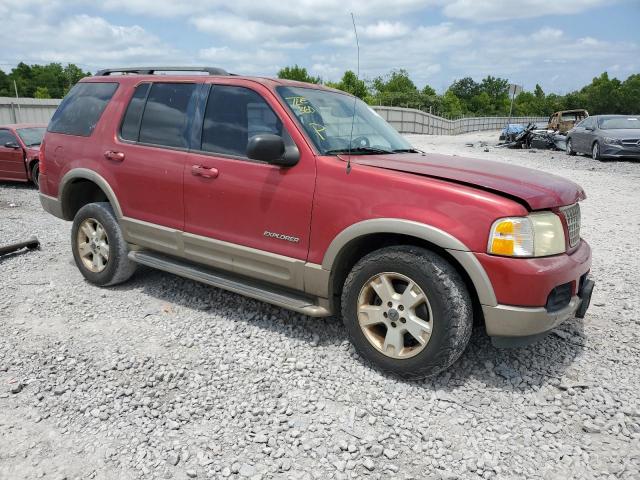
(233, 115)
(131, 124)
(80, 111)
(165, 120)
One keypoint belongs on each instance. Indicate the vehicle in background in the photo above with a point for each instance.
(19, 151)
(606, 136)
(565, 120)
(304, 197)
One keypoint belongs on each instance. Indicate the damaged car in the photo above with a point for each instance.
(606, 137)
(565, 120)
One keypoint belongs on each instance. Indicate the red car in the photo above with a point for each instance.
(302, 196)
(19, 149)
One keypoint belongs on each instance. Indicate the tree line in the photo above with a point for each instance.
(489, 97)
(464, 97)
(40, 81)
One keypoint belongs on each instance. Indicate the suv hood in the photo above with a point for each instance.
(536, 189)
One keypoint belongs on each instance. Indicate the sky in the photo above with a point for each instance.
(560, 44)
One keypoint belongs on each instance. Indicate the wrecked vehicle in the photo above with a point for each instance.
(532, 136)
(565, 120)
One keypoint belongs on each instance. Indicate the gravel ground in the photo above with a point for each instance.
(166, 378)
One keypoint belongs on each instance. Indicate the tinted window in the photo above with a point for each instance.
(131, 123)
(32, 136)
(232, 117)
(6, 136)
(165, 119)
(80, 110)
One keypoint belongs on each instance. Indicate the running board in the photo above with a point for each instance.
(248, 288)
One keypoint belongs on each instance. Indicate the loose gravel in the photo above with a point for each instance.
(165, 378)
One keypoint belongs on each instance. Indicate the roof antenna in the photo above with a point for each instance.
(355, 98)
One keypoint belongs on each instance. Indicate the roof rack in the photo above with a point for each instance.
(152, 70)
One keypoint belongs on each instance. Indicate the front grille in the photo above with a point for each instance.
(572, 217)
(631, 142)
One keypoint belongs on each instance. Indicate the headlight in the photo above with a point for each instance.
(612, 141)
(538, 235)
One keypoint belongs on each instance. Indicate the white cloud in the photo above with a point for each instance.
(250, 37)
(497, 10)
(86, 40)
(385, 30)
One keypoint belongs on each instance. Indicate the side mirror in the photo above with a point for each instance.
(13, 145)
(270, 148)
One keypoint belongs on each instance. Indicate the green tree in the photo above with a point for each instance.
(352, 84)
(297, 73)
(42, 92)
(397, 88)
(630, 95)
(451, 104)
(465, 89)
(428, 91)
(56, 79)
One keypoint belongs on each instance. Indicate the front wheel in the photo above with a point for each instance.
(570, 150)
(99, 249)
(407, 310)
(595, 151)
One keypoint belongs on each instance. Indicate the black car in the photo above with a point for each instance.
(606, 136)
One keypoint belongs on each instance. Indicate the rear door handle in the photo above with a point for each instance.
(115, 156)
(205, 172)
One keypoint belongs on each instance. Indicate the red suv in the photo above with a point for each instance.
(303, 197)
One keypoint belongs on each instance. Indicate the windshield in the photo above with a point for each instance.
(612, 123)
(32, 136)
(326, 117)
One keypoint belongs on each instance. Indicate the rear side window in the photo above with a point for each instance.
(165, 119)
(131, 123)
(233, 116)
(79, 112)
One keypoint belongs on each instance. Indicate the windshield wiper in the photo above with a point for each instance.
(407, 150)
(358, 150)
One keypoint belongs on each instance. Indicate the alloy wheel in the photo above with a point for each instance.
(395, 315)
(595, 152)
(93, 245)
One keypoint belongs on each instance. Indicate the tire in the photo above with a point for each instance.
(595, 151)
(447, 311)
(35, 174)
(105, 262)
(570, 150)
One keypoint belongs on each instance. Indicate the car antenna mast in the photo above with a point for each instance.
(355, 98)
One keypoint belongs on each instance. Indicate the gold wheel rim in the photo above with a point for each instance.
(395, 315)
(93, 245)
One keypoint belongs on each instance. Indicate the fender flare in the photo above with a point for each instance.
(86, 174)
(458, 250)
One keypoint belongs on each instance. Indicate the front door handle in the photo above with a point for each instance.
(205, 172)
(115, 156)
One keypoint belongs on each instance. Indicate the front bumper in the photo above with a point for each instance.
(514, 326)
(613, 151)
(526, 308)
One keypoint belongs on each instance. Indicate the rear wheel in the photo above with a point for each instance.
(407, 310)
(35, 174)
(570, 150)
(99, 249)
